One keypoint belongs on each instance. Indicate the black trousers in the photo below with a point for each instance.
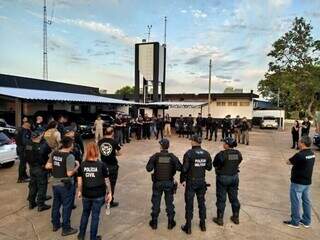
(113, 177)
(226, 133)
(295, 140)
(209, 133)
(159, 130)
(138, 131)
(227, 185)
(126, 135)
(181, 131)
(22, 171)
(38, 185)
(199, 189)
(146, 131)
(199, 130)
(158, 188)
(189, 131)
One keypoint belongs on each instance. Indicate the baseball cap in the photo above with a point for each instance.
(196, 138)
(36, 133)
(231, 142)
(165, 143)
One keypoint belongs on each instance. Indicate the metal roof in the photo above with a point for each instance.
(44, 95)
(185, 104)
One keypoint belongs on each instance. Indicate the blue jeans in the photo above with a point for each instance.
(300, 193)
(64, 196)
(93, 206)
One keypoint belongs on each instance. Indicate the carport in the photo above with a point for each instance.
(21, 95)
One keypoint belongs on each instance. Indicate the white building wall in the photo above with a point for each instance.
(243, 108)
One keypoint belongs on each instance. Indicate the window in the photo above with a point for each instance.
(221, 104)
(244, 104)
(232, 104)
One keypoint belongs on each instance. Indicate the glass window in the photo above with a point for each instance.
(221, 104)
(244, 104)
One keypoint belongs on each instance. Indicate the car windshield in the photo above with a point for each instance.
(269, 118)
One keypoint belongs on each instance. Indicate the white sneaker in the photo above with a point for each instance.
(305, 225)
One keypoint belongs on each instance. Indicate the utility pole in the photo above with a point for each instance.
(165, 30)
(149, 31)
(209, 95)
(278, 104)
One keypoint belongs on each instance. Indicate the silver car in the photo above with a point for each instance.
(8, 151)
(269, 122)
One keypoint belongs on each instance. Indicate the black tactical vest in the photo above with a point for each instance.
(59, 164)
(92, 174)
(32, 154)
(231, 163)
(164, 169)
(198, 162)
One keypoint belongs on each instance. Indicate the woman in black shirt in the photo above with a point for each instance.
(295, 134)
(92, 178)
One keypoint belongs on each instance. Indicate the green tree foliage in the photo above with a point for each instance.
(125, 91)
(294, 70)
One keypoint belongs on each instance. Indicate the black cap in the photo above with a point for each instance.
(165, 143)
(69, 129)
(196, 138)
(36, 133)
(231, 142)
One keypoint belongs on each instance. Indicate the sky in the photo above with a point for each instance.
(91, 42)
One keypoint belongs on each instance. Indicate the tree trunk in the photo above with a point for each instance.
(309, 110)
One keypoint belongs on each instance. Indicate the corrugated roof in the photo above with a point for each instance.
(43, 95)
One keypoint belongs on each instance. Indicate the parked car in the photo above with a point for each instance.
(85, 128)
(316, 140)
(269, 122)
(6, 128)
(8, 152)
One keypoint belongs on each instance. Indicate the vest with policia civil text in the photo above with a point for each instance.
(32, 154)
(59, 164)
(198, 162)
(164, 169)
(92, 175)
(231, 161)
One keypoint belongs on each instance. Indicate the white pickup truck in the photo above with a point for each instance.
(8, 151)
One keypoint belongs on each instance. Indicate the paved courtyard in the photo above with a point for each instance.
(264, 183)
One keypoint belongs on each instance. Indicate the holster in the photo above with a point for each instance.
(175, 187)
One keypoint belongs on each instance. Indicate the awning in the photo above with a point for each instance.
(42, 95)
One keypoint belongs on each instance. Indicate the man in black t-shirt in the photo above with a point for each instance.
(301, 179)
(305, 127)
(109, 149)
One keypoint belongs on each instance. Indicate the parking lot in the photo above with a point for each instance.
(264, 187)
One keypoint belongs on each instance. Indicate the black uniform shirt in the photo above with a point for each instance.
(151, 164)
(301, 172)
(98, 191)
(108, 147)
(196, 151)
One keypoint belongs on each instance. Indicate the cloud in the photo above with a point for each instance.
(104, 28)
(240, 48)
(279, 3)
(183, 11)
(198, 13)
(224, 77)
(3, 18)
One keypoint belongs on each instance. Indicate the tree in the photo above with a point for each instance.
(125, 91)
(294, 70)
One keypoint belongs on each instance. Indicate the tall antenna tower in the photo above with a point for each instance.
(46, 22)
(149, 31)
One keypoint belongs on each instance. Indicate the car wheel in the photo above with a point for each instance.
(7, 164)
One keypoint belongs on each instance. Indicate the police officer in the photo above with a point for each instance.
(189, 122)
(227, 164)
(164, 165)
(199, 123)
(64, 167)
(23, 136)
(236, 128)
(109, 150)
(159, 126)
(180, 126)
(195, 163)
(36, 154)
(209, 129)
(226, 127)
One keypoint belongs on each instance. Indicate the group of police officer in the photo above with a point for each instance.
(196, 161)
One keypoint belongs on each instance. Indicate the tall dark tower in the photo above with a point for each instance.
(150, 60)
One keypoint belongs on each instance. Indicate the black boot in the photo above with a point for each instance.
(186, 228)
(219, 219)
(69, 231)
(203, 226)
(153, 224)
(171, 224)
(43, 207)
(235, 218)
(32, 205)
